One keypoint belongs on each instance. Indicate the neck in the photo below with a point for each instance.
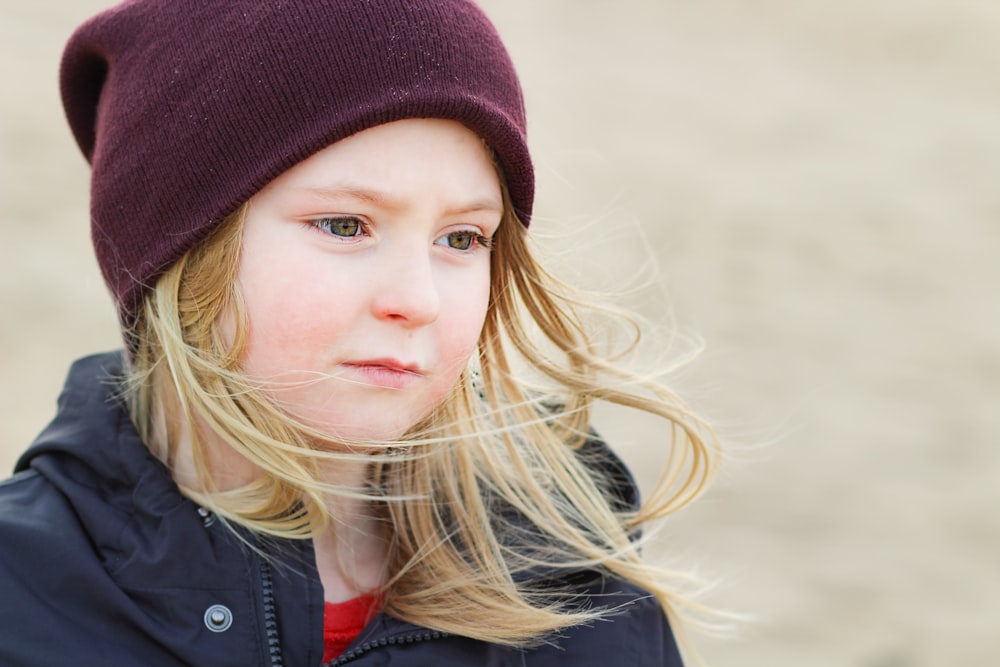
(226, 468)
(351, 553)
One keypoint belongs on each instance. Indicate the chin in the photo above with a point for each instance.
(375, 430)
(356, 423)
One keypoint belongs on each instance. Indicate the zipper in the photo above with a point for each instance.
(367, 647)
(273, 639)
(270, 615)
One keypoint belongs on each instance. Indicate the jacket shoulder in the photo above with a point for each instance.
(635, 631)
(37, 529)
(29, 504)
(40, 558)
(69, 598)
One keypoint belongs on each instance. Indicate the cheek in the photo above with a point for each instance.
(288, 318)
(226, 325)
(467, 307)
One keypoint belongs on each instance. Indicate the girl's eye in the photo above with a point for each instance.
(346, 226)
(464, 240)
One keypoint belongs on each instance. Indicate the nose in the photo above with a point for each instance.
(407, 291)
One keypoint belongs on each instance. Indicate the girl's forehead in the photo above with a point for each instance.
(389, 163)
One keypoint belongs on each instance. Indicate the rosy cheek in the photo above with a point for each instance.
(461, 347)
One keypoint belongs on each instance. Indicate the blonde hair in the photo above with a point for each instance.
(488, 490)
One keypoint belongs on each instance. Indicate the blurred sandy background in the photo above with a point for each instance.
(818, 183)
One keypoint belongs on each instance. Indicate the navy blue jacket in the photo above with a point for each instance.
(104, 563)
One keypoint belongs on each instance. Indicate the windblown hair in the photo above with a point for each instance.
(487, 494)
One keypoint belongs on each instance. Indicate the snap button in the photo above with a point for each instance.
(207, 516)
(218, 618)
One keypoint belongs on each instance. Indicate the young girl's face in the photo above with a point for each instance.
(365, 271)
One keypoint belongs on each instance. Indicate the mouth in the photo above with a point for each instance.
(386, 373)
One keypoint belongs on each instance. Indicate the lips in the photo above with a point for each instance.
(385, 373)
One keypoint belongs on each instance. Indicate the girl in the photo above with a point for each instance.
(350, 423)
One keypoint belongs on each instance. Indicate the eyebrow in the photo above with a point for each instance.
(385, 200)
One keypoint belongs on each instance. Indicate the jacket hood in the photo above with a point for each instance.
(92, 446)
(137, 520)
(106, 537)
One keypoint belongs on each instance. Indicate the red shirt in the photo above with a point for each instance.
(343, 621)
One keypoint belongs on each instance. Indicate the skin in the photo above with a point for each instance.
(365, 271)
(363, 300)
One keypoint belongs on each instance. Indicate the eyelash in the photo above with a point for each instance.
(477, 240)
(326, 225)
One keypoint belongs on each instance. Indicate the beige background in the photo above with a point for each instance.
(817, 184)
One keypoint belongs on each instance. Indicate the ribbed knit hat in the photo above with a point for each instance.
(186, 108)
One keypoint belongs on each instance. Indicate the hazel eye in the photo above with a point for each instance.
(344, 226)
(464, 240)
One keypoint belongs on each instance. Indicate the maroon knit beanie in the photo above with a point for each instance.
(186, 108)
